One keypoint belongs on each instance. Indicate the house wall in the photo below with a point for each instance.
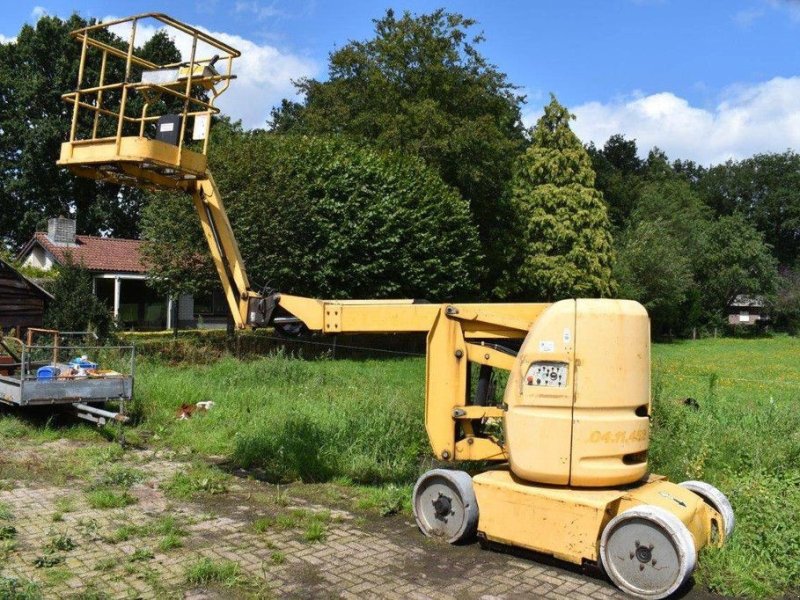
(744, 316)
(40, 259)
(185, 308)
(211, 310)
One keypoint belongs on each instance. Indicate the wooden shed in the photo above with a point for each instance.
(22, 302)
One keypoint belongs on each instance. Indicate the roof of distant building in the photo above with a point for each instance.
(94, 253)
(743, 300)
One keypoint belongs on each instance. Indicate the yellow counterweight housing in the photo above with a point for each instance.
(578, 396)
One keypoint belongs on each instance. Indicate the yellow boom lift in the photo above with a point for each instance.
(571, 478)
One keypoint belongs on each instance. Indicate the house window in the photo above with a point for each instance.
(211, 305)
(744, 316)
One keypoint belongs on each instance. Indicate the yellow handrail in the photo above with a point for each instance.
(96, 96)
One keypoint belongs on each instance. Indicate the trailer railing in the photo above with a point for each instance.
(112, 361)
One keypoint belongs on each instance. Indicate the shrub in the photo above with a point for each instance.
(19, 589)
(328, 217)
(75, 307)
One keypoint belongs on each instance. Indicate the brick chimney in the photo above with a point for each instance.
(61, 230)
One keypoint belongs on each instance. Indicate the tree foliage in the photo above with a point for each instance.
(618, 169)
(408, 173)
(175, 247)
(75, 307)
(34, 71)
(420, 86)
(734, 260)
(327, 217)
(681, 261)
(766, 189)
(673, 203)
(654, 269)
(786, 306)
(564, 239)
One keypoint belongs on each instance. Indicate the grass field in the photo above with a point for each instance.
(744, 437)
(294, 419)
(361, 422)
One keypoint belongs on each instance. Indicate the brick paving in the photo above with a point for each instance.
(358, 558)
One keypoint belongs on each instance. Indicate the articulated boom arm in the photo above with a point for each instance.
(458, 335)
(243, 302)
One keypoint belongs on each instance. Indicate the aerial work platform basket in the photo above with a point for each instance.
(137, 121)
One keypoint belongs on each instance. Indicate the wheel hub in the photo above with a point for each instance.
(643, 553)
(442, 507)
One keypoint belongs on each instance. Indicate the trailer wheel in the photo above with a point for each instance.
(717, 500)
(647, 552)
(445, 506)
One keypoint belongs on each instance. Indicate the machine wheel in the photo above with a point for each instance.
(445, 506)
(647, 552)
(717, 500)
(291, 329)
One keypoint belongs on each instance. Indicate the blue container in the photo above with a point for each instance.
(79, 363)
(49, 372)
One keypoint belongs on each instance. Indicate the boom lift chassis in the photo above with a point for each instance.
(572, 431)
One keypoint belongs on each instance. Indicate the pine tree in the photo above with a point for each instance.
(565, 247)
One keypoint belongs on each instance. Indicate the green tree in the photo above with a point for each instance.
(734, 260)
(690, 171)
(786, 308)
(766, 189)
(618, 169)
(421, 86)
(668, 205)
(34, 71)
(564, 239)
(671, 201)
(328, 217)
(653, 268)
(657, 166)
(75, 307)
(175, 247)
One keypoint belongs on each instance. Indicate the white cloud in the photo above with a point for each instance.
(38, 12)
(764, 117)
(746, 17)
(258, 10)
(792, 7)
(264, 72)
(4, 39)
(265, 78)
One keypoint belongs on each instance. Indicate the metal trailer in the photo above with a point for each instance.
(20, 386)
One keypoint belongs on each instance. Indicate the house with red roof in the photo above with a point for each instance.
(119, 277)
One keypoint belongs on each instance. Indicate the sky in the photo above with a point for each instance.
(703, 80)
